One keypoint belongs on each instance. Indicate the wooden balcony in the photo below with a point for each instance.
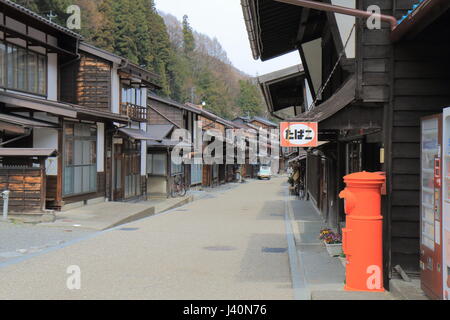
(135, 112)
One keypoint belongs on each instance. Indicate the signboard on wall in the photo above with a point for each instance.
(299, 134)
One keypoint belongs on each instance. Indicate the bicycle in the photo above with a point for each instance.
(178, 187)
(300, 190)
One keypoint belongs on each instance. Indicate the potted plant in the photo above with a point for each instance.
(332, 241)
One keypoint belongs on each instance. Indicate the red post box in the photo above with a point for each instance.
(363, 235)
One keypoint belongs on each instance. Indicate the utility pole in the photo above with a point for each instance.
(192, 94)
(50, 15)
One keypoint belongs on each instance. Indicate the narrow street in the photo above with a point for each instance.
(231, 245)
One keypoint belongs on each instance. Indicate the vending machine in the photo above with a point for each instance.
(446, 207)
(431, 263)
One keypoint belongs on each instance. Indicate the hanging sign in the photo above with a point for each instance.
(299, 134)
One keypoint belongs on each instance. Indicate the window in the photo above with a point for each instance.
(157, 164)
(22, 69)
(196, 173)
(2, 64)
(176, 168)
(132, 95)
(80, 158)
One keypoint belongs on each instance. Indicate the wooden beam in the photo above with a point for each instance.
(11, 128)
(302, 24)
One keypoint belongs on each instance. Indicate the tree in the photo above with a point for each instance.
(249, 99)
(188, 36)
(190, 64)
(55, 8)
(103, 36)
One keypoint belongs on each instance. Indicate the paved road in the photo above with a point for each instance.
(229, 246)
(22, 240)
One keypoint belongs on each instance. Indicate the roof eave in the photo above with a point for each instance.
(421, 17)
(39, 19)
(252, 27)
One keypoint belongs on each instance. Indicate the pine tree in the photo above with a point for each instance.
(189, 64)
(103, 37)
(188, 36)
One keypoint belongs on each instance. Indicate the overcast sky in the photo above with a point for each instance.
(224, 20)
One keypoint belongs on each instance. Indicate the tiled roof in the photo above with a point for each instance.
(40, 18)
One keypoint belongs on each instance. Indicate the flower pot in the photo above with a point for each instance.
(334, 249)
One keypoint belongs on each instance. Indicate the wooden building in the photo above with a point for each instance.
(166, 115)
(255, 127)
(86, 103)
(102, 81)
(368, 97)
(213, 174)
(419, 86)
(23, 173)
(36, 117)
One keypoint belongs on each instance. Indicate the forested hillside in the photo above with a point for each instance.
(192, 66)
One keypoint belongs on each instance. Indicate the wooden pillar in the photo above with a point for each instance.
(43, 184)
(59, 178)
(340, 169)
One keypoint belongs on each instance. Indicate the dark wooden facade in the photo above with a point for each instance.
(411, 78)
(162, 113)
(87, 82)
(396, 84)
(420, 82)
(27, 186)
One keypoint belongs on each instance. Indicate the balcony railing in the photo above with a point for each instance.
(135, 112)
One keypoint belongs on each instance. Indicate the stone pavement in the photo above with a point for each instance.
(19, 240)
(407, 290)
(107, 215)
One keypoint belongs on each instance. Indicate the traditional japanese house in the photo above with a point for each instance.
(285, 92)
(287, 95)
(232, 165)
(387, 79)
(249, 169)
(255, 126)
(33, 115)
(346, 91)
(265, 142)
(102, 81)
(166, 115)
(215, 173)
(419, 86)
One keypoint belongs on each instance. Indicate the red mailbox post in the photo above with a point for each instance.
(363, 235)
